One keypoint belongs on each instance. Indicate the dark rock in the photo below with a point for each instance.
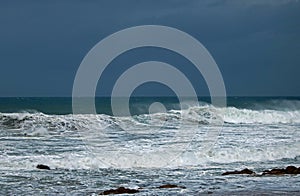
(168, 186)
(274, 172)
(41, 166)
(120, 190)
(291, 170)
(287, 170)
(244, 171)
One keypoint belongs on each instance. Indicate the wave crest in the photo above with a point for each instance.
(202, 115)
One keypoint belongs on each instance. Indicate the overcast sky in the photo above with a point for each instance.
(256, 44)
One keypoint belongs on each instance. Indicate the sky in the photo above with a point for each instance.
(256, 44)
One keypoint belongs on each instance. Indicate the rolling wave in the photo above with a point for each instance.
(202, 115)
(238, 141)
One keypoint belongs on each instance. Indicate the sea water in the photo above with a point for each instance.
(89, 153)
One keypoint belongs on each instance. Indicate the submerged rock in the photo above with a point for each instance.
(41, 166)
(244, 171)
(167, 186)
(287, 170)
(120, 190)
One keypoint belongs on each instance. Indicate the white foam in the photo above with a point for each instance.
(206, 114)
(91, 161)
(247, 116)
(42, 125)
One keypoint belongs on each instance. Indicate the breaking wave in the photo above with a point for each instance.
(234, 147)
(202, 115)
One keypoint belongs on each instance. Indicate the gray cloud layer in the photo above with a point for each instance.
(255, 43)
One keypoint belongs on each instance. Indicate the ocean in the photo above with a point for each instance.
(190, 147)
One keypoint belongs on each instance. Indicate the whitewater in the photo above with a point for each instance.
(88, 153)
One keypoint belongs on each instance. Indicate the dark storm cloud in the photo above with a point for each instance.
(255, 43)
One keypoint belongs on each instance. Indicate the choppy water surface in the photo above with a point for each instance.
(91, 153)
